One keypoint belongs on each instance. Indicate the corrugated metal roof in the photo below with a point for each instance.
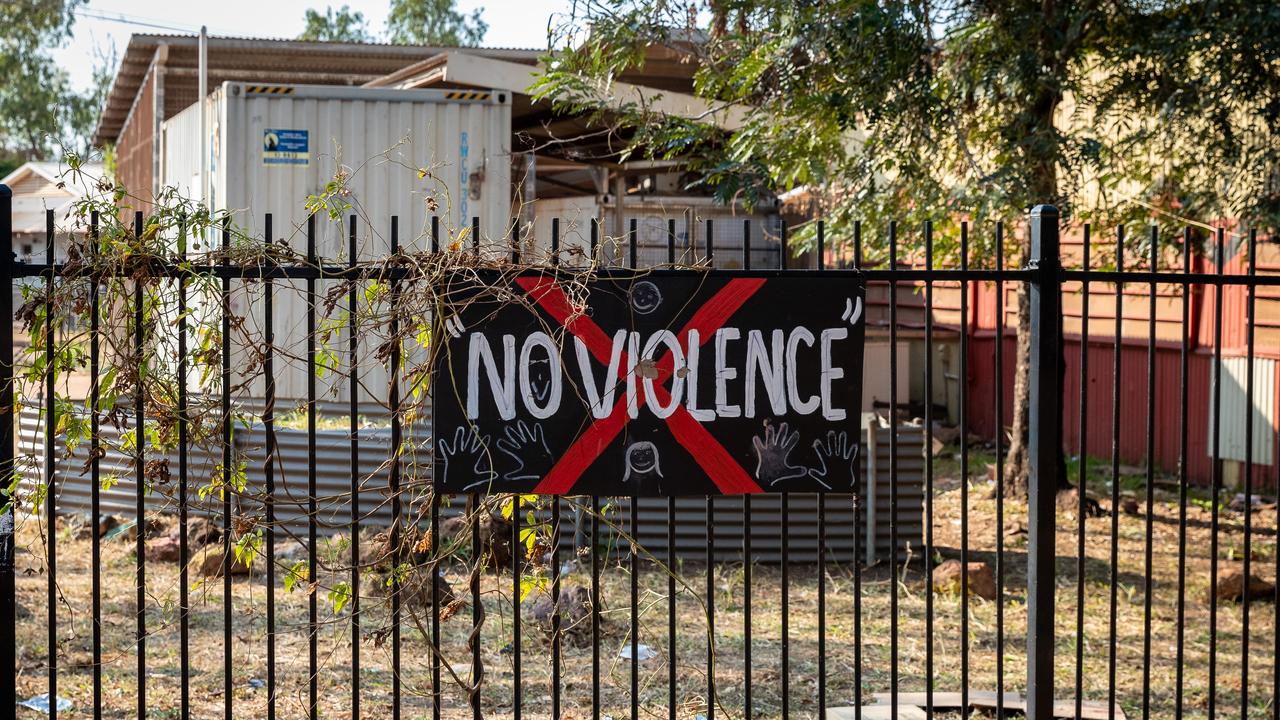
(257, 59)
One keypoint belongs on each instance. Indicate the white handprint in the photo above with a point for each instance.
(837, 459)
(528, 448)
(772, 465)
(466, 459)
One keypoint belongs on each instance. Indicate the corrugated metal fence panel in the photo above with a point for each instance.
(333, 482)
(1169, 385)
(332, 460)
(1236, 405)
(765, 522)
(74, 488)
(910, 485)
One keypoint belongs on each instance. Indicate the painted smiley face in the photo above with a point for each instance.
(645, 297)
(540, 378)
(643, 457)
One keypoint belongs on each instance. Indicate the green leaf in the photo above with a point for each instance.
(529, 583)
(339, 596)
(248, 547)
(297, 573)
(529, 537)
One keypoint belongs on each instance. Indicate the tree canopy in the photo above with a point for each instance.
(409, 22)
(950, 110)
(434, 22)
(1112, 109)
(38, 106)
(344, 25)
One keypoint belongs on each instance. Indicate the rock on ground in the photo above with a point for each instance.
(1231, 586)
(162, 549)
(495, 538)
(947, 578)
(208, 562)
(85, 529)
(201, 531)
(376, 550)
(154, 527)
(415, 594)
(1068, 501)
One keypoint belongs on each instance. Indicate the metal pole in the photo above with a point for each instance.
(203, 92)
(1044, 450)
(8, 594)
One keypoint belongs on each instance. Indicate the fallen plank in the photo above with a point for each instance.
(947, 699)
(988, 699)
(1089, 709)
(877, 712)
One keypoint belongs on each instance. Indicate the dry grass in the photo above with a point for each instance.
(249, 627)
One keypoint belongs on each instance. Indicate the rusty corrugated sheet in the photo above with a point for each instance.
(1133, 403)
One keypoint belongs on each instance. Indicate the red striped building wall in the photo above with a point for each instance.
(985, 306)
(1134, 343)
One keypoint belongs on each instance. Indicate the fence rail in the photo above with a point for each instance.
(589, 624)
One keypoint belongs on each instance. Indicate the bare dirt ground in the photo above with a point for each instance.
(1132, 668)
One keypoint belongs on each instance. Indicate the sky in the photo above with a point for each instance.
(102, 23)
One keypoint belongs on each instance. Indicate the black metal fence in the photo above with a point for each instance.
(742, 639)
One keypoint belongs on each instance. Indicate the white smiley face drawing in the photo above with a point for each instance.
(645, 297)
(642, 459)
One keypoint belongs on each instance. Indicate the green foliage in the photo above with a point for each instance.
(248, 547)
(132, 275)
(529, 583)
(216, 485)
(434, 22)
(882, 110)
(409, 22)
(1118, 111)
(37, 103)
(333, 201)
(296, 576)
(9, 161)
(344, 25)
(339, 595)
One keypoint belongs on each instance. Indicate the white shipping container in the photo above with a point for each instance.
(273, 146)
(382, 138)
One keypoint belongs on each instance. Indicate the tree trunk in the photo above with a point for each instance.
(1017, 463)
(1015, 468)
(1040, 155)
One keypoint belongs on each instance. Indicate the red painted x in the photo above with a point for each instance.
(719, 465)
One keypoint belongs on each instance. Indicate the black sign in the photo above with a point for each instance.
(656, 383)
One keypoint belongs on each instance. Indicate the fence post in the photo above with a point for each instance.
(1044, 447)
(8, 590)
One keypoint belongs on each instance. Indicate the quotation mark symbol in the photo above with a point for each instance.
(454, 327)
(852, 311)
